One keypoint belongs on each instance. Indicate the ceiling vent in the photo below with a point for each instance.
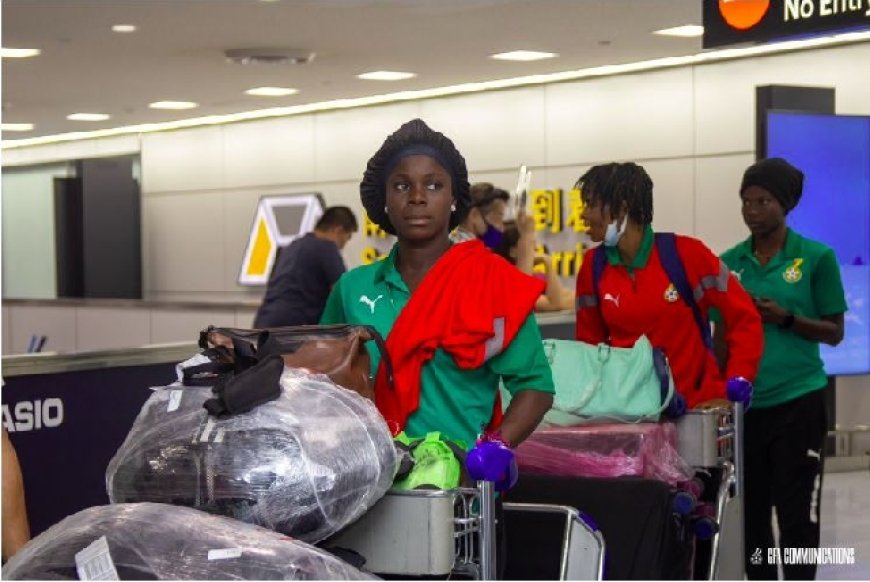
(266, 56)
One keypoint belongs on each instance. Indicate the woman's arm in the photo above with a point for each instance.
(525, 412)
(16, 530)
(829, 329)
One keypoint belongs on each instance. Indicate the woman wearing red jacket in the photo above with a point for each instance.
(635, 296)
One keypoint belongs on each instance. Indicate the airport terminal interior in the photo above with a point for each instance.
(435, 289)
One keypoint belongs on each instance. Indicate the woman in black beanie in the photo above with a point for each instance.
(796, 285)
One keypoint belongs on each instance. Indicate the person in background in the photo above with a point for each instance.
(16, 530)
(305, 272)
(635, 295)
(485, 218)
(796, 286)
(518, 246)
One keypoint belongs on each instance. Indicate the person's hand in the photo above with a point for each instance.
(491, 459)
(739, 389)
(526, 226)
(770, 310)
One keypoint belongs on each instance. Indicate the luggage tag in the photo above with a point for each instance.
(95, 562)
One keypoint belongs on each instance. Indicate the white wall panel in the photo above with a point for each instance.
(104, 328)
(245, 318)
(639, 116)
(345, 140)
(494, 130)
(673, 195)
(717, 211)
(184, 249)
(274, 151)
(183, 160)
(725, 92)
(7, 331)
(853, 401)
(58, 324)
(179, 326)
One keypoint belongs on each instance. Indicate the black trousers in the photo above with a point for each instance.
(784, 461)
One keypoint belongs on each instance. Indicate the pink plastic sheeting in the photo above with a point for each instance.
(606, 450)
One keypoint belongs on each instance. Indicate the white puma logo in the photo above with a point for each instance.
(609, 297)
(369, 302)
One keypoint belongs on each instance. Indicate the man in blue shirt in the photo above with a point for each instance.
(305, 272)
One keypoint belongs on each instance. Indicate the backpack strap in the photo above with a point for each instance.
(666, 243)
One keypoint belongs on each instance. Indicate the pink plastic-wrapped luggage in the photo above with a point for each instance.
(606, 450)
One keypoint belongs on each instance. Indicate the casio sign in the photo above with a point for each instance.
(29, 415)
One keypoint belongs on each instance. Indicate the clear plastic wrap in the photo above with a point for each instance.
(306, 465)
(151, 541)
(606, 450)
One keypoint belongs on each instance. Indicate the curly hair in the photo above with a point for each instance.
(373, 190)
(614, 183)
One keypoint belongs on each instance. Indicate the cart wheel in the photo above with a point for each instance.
(683, 503)
(705, 528)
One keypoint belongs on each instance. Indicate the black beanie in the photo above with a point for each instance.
(778, 177)
(373, 189)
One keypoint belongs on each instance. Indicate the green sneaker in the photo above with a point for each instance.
(436, 465)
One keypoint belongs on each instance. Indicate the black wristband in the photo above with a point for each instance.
(788, 322)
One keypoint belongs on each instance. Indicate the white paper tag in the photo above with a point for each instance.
(95, 563)
(174, 400)
(225, 554)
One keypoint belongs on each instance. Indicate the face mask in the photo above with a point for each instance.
(612, 234)
(492, 237)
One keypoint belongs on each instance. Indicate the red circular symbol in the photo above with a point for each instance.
(743, 14)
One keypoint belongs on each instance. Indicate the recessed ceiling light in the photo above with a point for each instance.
(16, 126)
(11, 53)
(524, 56)
(271, 91)
(173, 105)
(386, 76)
(124, 28)
(88, 117)
(685, 31)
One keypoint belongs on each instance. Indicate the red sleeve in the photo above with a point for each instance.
(715, 286)
(590, 326)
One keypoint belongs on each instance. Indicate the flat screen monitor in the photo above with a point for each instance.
(833, 151)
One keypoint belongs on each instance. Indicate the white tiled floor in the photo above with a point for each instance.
(846, 523)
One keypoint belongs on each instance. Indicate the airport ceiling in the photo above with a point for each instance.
(177, 51)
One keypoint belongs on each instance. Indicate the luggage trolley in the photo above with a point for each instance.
(713, 439)
(452, 532)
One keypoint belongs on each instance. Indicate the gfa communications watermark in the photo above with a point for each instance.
(804, 556)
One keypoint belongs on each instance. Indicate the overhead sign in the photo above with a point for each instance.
(279, 220)
(729, 22)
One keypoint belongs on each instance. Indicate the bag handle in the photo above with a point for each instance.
(593, 387)
(248, 342)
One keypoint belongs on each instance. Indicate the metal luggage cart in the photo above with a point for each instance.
(713, 439)
(452, 532)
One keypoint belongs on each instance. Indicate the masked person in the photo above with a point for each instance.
(796, 285)
(635, 295)
(485, 218)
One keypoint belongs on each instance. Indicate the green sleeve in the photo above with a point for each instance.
(828, 294)
(334, 310)
(523, 365)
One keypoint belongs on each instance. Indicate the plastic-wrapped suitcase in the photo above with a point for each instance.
(306, 464)
(150, 541)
